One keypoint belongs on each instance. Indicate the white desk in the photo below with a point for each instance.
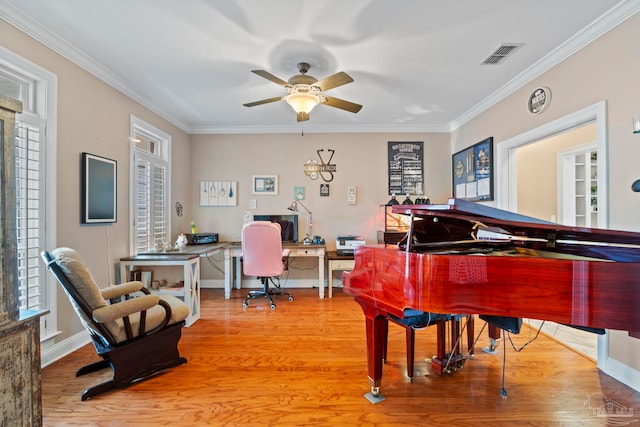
(234, 250)
(188, 259)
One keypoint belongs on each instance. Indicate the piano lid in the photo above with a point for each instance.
(463, 223)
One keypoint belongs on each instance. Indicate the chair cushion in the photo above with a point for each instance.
(155, 316)
(75, 269)
(418, 319)
(179, 310)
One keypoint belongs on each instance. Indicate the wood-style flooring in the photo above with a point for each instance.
(305, 364)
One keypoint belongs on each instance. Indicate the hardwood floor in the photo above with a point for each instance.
(305, 364)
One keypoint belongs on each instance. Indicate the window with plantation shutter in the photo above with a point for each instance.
(35, 176)
(150, 187)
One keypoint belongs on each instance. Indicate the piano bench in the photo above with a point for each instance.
(413, 320)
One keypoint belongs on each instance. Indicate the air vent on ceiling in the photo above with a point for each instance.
(501, 53)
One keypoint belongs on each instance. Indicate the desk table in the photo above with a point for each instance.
(187, 258)
(234, 250)
(338, 262)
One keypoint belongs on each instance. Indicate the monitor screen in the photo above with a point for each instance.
(288, 225)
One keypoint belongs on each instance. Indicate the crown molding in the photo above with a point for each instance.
(309, 128)
(614, 17)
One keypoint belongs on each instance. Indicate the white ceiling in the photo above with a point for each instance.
(416, 63)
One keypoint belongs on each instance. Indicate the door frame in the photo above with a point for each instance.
(506, 176)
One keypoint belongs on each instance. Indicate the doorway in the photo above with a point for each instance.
(527, 182)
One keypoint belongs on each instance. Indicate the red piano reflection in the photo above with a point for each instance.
(467, 258)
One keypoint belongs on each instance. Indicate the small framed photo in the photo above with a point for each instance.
(265, 185)
(324, 190)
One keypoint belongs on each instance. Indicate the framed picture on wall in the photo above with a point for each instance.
(472, 172)
(266, 185)
(99, 195)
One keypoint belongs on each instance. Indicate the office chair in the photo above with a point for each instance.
(136, 333)
(263, 257)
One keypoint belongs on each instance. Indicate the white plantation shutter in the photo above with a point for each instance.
(29, 217)
(143, 239)
(159, 204)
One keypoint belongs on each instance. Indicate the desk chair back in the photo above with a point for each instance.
(262, 249)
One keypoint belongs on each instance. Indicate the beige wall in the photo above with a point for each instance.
(92, 117)
(360, 159)
(607, 69)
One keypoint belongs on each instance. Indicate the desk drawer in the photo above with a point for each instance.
(306, 252)
(345, 264)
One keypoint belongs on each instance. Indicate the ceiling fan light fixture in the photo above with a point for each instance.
(302, 102)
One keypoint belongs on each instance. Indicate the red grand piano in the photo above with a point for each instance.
(466, 258)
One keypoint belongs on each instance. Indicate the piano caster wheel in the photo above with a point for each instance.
(375, 391)
(273, 306)
(290, 298)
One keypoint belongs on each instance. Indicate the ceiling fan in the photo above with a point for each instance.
(305, 92)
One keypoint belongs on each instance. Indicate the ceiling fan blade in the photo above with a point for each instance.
(302, 116)
(342, 104)
(335, 80)
(267, 75)
(263, 101)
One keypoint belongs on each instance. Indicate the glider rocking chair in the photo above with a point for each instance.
(136, 333)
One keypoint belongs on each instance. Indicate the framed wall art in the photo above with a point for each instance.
(405, 161)
(472, 172)
(99, 194)
(265, 185)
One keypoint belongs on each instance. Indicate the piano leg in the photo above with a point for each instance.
(377, 328)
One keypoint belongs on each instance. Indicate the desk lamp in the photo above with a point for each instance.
(294, 207)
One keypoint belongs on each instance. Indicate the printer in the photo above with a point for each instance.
(345, 245)
(202, 238)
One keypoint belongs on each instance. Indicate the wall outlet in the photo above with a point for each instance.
(253, 204)
(248, 217)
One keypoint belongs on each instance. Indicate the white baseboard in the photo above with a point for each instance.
(60, 349)
(254, 283)
(623, 373)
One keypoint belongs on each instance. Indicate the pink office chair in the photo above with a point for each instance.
(263, 257)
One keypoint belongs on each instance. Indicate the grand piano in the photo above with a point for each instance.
(467, 258)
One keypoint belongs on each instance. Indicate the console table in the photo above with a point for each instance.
(234, 250)
(188, 259)
(337, 262)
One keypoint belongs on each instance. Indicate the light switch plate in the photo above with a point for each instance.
(351, 195)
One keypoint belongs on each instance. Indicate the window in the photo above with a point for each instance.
(35, 175)
(150, 178)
